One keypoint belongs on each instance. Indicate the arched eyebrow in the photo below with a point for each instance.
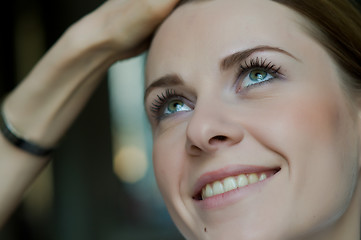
(228, 62)
(238, 57)
(165, 81)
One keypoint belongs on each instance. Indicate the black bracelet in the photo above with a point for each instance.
(10, 134)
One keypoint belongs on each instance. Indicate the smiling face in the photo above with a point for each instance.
(253, 136)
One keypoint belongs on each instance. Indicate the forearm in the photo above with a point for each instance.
(17, 170)
(41, 109)
(43, 106)
(48, 100)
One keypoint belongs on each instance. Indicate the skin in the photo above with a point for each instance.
(302, 122)
(48, 100)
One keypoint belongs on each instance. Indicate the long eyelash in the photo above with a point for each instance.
(161, 99)
(259, 63)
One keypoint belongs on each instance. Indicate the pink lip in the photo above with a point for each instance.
(210, 177)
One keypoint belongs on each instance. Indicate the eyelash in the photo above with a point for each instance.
(252, 64)
(163, 98)
(259, 63)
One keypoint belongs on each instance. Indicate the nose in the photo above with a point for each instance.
(211, 128)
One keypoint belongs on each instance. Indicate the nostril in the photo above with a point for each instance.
(218, 138)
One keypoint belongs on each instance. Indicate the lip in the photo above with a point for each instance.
(230, 196)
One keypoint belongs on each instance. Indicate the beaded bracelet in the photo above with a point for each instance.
(14, 138)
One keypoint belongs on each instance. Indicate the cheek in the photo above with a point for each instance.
(320, 140)
(317, 139)
(313, 129)
(320, 126)
(168, 162)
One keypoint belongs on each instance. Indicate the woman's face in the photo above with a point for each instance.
(253, 135)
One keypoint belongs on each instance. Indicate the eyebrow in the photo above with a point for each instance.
(165, 81)
(227, 63)
(240, 56)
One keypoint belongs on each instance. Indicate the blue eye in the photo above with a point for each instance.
(255, 72)
(174, 106)
(168, 103)
(256, 76)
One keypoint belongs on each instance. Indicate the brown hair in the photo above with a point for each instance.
(336, 25)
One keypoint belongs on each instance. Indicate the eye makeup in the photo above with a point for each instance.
(167, 103)
(252, 72)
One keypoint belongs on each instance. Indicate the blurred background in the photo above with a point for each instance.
(100, 184)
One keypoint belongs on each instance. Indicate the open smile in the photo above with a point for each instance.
(229, 183)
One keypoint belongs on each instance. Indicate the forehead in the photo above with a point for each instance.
(201, 33)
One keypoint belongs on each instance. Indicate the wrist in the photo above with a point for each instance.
(47, 101)
(17, 140)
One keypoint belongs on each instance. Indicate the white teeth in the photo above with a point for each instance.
(242, 180)
(209, 190)
(218, 188)
(262, 177)
(231, 183)
(253, 178)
